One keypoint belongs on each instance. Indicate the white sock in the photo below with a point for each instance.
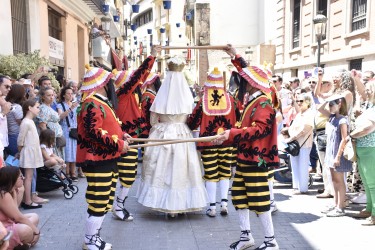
(211, 190)
(224, 187)
(266, 220)
(123, 192)
(93, 223)
(270, 186)
(244, 215)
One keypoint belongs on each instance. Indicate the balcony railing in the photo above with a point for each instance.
(95, 5)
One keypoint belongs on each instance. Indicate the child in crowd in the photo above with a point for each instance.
(29, 148)
(47, 141)
(337, 131)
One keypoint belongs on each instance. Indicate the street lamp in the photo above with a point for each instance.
(320, 24)
(106, 24)
(248, 53)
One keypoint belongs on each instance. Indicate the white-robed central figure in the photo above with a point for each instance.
(171, 174)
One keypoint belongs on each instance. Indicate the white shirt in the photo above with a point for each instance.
(3, 130)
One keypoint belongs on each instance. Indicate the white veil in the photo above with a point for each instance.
(174, 96)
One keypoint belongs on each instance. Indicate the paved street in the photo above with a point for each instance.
(298, 225)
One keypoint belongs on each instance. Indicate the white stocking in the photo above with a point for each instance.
(270, 185)
(211, 190)
(224, 187)
(93, 223)
(266, 220)
(244, 215)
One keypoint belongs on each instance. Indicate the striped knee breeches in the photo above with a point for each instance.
(101, 187)
(250, 188)
(216, 163)
(127, 167)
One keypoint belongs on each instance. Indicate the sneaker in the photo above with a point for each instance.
(224, 210)
(269, 244)
(211, 212)
(74, 178)
(273, 207)
(338, 212)
(328, 209)
(94, 242)
(246, 241)
(360, 199)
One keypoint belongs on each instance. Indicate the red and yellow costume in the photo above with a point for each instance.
(256, 138)
(100, 143)
(214, 113)
(130, 115)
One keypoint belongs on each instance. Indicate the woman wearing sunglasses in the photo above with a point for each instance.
(301, 130)
(23, 226)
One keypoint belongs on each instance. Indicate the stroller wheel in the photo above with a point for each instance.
(311, 180)
(68, 194)
(74, 188)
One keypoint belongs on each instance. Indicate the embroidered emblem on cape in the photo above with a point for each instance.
(216, 101)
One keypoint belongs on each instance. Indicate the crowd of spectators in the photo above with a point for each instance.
(35, 123)
(323, 114)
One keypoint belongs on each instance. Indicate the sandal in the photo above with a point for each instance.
(32, 205)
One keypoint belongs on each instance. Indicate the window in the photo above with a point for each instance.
(144, 18)
(296, 23)
(19, 26)
(359, 14)
(322, 8)
(54, 24)
(355, 64)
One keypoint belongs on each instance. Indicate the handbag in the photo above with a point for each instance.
(73, 132)
(12, 161)
(321, 140)
(293, 147)
(349, 151)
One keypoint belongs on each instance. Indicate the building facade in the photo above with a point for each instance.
(348, 43)
(246, 25)
(60, 29)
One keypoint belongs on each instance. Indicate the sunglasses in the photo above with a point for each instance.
(312, 82)
(8, 86)
(299, 101)
(334, 102)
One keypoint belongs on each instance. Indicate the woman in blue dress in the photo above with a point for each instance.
(68, 119)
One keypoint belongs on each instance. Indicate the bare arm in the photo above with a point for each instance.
(322, 109)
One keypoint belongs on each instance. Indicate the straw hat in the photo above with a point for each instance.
(121, 77)
(215, 79)
(95, 78)
(256, 77)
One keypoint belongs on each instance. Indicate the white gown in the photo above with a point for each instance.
(172, 174)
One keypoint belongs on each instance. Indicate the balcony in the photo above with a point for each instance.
(95, 6)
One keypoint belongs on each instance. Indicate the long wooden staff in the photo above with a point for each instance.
(200, 139)
(196, 47)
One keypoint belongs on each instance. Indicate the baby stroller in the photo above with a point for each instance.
(49, 180)
(284, 172)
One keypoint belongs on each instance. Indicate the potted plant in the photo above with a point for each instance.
(162, 30)
(133, 27)
(149, 31)
(135, 8)
(167, 5)
(178, 25)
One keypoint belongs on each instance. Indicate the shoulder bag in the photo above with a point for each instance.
(73, 132)
(294, 147)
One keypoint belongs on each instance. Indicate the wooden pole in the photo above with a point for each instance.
(214, 47)
(200, 139)
(225, 80)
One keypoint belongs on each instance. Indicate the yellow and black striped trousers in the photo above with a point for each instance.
(250, 188)
(127, 167)
(216, 163)
(101, 187)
